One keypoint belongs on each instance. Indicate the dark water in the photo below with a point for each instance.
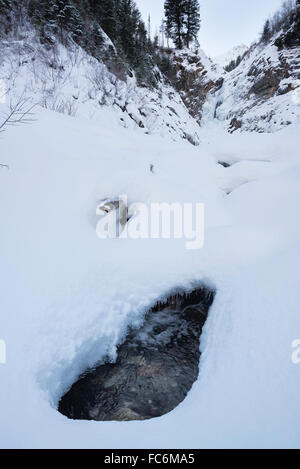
(155, 369)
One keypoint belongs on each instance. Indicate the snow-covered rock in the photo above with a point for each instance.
(262, 93)
(69, 81)
(195, 77)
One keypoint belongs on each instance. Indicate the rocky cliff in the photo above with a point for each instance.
(195, 77)
(263, 93)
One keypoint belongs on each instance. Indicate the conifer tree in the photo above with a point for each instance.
(182, 21)
(175, 21)
(67, 18)
(106, 11)
(85, 21)
(126, 32)
(5, 5)
(266, 35)
(192, 20)
(5, 14)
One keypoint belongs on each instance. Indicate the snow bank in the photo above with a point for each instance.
(68, 297)
(69, 81)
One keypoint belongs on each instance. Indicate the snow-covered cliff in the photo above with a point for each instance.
(68, 80)
(263, 93)
(224, 59)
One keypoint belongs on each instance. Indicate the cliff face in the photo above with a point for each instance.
(263, 93)
(196, 78)
(65, 79)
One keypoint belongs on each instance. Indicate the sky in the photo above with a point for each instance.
(225, 24)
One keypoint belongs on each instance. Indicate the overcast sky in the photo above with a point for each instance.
(224, 23)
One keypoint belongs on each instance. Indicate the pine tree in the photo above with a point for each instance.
(238, 61)
(106, 13)
(55, 17)
(67, 18)
(84, 21)
(126, 33)
(192, 20)
(230, 66)
(42, 14)
(175, 21)
(6, 16)
(5, 6)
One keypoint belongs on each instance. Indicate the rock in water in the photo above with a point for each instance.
(155, 369)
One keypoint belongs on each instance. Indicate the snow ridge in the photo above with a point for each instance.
(224, 59)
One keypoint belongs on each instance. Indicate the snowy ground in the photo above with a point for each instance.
(67, 297)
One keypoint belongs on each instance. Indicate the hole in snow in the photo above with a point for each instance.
(155, 369)
(224, 164)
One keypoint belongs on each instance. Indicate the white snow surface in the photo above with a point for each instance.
(67, 297)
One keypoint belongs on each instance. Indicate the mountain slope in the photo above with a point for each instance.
(224, 59)
(68, 80)
(262, 93)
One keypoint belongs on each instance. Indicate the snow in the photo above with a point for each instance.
(68, 297)
(69, 81)
(260, 114)
(224, 59)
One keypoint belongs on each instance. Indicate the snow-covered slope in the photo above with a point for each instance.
(224, 59)
(262, 93)
(69, 81)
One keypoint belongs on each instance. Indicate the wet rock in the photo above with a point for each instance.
(266, 86)
(235, 124)
(155, 369)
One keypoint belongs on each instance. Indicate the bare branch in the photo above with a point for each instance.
(19, 113)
